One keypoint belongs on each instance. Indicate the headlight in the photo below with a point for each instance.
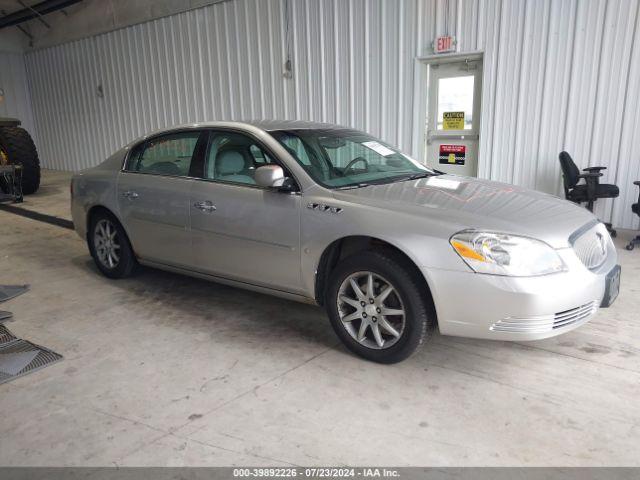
(504, 254)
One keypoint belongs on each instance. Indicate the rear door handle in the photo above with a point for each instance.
(207, 206)
(130, 195)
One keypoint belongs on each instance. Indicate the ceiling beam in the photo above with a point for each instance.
(35, 11)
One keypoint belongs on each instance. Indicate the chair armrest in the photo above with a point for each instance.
(593, 169)
(590, 175)
(637, 182)
(592, 183)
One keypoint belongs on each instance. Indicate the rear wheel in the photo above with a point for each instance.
(110, 247)
(377, 307)
(17, 148)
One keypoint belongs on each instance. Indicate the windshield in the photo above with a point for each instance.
(348, 158)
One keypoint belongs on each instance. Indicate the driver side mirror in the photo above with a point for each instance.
(272, 176)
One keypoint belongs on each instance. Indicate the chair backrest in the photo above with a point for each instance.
(570, 172)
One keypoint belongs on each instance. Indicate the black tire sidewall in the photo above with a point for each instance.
(127, 258)
(413, 299)
(21, 150)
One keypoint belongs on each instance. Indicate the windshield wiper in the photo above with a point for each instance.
(403, 178)
(350, 187)
(416, 176)
(384, 181)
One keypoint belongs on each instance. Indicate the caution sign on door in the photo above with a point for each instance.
(452, 154)
(453, 120)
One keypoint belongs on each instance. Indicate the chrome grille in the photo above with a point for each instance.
(592, 245)
(568, 317)
(546, 323)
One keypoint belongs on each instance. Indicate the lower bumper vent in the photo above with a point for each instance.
(546, 323)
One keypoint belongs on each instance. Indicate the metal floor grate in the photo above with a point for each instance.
(6, 336)
(19, 357)
(7, 292)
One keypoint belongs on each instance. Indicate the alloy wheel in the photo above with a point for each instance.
(107, 243)
(371, 310)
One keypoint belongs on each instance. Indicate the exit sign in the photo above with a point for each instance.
(444, 44)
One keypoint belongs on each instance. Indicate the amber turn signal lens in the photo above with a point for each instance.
(467, 252)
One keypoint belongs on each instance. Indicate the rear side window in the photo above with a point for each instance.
(165, 155)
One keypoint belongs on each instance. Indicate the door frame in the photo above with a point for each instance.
(422, 72)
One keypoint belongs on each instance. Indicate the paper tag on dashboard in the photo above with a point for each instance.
(379, 148)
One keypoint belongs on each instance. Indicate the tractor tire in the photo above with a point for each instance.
(17, 148)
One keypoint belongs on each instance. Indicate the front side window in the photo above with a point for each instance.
(166, 155)
(342, 158)
(234, 157)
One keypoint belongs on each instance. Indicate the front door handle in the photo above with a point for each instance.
(130, 195)
(206, 207)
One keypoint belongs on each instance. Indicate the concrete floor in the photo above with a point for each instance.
(162, 369)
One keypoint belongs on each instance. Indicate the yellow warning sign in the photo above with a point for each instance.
(453, 120)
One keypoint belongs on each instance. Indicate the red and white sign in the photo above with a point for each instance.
(452, 154)
(444, 44)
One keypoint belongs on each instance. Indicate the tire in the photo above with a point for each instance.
(19, 149)
(408, 295)
(101, 225)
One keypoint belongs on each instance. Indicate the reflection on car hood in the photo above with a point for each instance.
(463, 202)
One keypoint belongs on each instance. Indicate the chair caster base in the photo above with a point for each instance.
(632, 243)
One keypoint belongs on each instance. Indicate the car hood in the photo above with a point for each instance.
(458, 203)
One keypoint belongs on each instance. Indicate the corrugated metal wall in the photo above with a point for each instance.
(15, 101)
(558, 74)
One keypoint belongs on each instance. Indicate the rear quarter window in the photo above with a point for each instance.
(165, 155)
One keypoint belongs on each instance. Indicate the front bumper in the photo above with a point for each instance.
(518, 308)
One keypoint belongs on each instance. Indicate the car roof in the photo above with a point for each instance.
(271, 125)
(266, 125)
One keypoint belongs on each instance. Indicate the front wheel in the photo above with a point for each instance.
(377, 308)
(110, 247)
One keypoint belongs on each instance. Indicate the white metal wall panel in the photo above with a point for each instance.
(16, 102)
(558, 74)
(628, 166)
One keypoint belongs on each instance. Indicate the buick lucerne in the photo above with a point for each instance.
(330, 215)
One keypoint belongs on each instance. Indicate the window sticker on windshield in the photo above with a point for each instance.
(379, 148)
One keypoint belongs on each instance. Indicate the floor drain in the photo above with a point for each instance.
(19, 357)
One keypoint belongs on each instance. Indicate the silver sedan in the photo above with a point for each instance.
(329, 215)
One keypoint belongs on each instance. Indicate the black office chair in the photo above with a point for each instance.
(589, 191)
(635, 208)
